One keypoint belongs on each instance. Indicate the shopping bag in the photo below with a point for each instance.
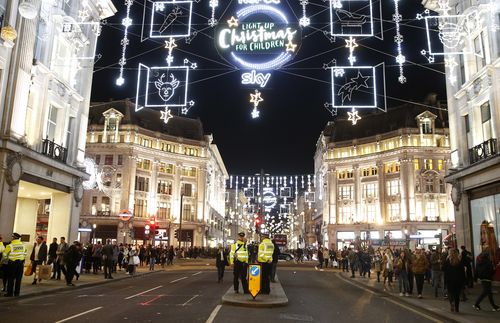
(44, 271)
(136, 260)
(28, 271)
(335, 264)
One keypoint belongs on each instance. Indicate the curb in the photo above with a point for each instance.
(66, 288)
(431, 311)
(262, 301)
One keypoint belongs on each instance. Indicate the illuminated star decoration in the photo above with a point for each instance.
(233, 22)
(357, 82)
(451, 63)
(290, 47)
(83, 15)
(170, 45)
(166, 115)
(398, 39)
(256, 99)
(351, 44)
(304, 21)
(354, 117)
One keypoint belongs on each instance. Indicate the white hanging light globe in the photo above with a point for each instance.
(28, 10)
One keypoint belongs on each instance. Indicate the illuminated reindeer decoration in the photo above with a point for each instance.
(167, 89)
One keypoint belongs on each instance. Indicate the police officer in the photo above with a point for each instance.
(239, 258)
(265, 258)
(16, 253)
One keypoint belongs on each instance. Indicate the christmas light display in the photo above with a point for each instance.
(212, 22)
(351, 18)
(127, 22)
(171, 19)
(353, 116)
(398, 39)
(304, 21)
(255, 78)
(256, 99)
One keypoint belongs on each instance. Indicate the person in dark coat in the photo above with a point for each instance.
(107, 257)
(221, 262)
(454, 277)
(53, 252)
(320, 258)
(485, 272)
(38, 256)
(71, 258)
(276, 253)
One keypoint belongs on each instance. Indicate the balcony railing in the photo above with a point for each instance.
(483, 151)
(54, 151)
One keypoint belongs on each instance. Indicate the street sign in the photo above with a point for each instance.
(254, 272)
(281, 239)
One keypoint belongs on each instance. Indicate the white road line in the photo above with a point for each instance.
(197, 273)
(214, 314)
(77, 315)
(174, 281)
(144, 292)
(393, 301)
(189, 300)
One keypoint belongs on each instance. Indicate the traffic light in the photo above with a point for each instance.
(257, 225)
(176, 234)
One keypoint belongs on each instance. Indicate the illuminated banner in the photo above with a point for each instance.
(258, 37)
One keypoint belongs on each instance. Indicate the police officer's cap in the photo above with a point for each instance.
(16, 235)
(264, 234)
(241, 234)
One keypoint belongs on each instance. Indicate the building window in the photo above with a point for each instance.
(442, 186)
(98, 159)
(393, 209)
(118, 180)
(370, 190)
(369, 171)
(416, 163)
(191, 151)
(108, 159)
(105, 204)
(345, 215)
(141, 184)
(461, 64)
(486, 121)
(188, 212)
(187, 189)
(164, 187)
(429, 185)
(431, 211)
(479, 52)
(470, 141)
(428, 164)
(189, 171)
(144, 164)
(426, 126)
(346, 192)
(93, 208)
(163, 210)
(391, 168)
(112, 124)
(69, 131)
(140, 208)
(371, 213)
(120, 160)
(418, 189)
(166, 168)
(167, 147)
(52, 123)
(393, 187)
(345, 174)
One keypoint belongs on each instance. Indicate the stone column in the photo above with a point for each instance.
(26, 217)
(381, 190)
(404, 174)
(332, 195)
(60, 216)
(128, 183)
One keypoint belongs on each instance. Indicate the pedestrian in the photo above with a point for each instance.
(72, 257)
(221, 262)
(96, 257)
(238, 258)
(53, 256)
(485, 272)
(107, 257)
(152, 257)
(344, 258)
(437, 271)
(454, 277)
(116, 252)
(377, 263)
(419, 266)
(388, 267)
(466, 257)
(3, 266)
(353, 261)
(326, 256)
(401, 267)
(61, 249)
(38, 256)
(320, 258)
(15, 252)
(265, 258)
(170, 256)
(276, 254)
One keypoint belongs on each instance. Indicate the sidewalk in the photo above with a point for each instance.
(87, 280)
(439, 305)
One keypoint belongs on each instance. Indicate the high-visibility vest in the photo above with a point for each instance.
(238, 252)
(16, 250)
(266, 249)
(2, 247)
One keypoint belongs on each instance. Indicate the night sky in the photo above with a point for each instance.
(283, 140)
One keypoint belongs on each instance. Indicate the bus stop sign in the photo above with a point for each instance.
(254, 273)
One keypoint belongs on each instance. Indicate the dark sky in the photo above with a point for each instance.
(283, 140)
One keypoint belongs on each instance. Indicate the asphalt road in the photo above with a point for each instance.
(195, 296)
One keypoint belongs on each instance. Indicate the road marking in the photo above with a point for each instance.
(144, 292)
(197, 273)
(392, 301)
(81, 296)
(77, 315)
(189, 300)
(174, 281)
(213, 314)
(152, 300)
